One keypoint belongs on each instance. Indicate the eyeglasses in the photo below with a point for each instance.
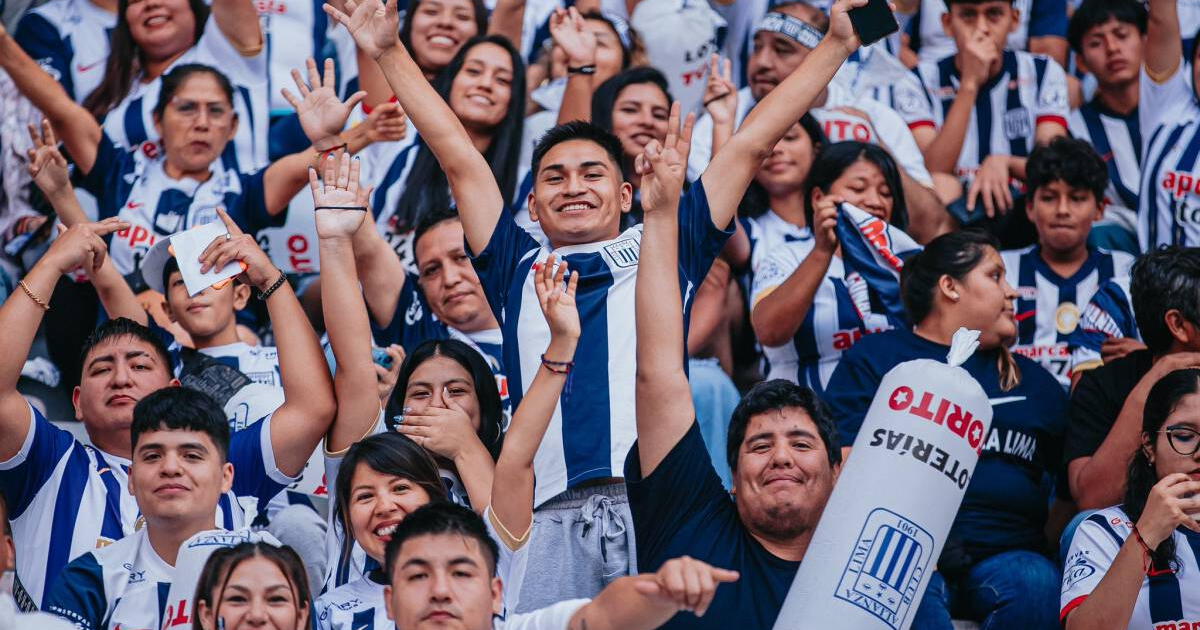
(1183, 440)
(191, 109)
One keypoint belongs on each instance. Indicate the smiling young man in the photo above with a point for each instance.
(1056, 278)
(67, 497)
(180, 472)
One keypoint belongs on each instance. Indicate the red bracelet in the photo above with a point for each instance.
(1148, 557)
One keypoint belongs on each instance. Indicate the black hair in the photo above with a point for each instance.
(604, 99)
(1071, 161)
(839, 156)
(1093, 13)
(600, 17)
(181, 409)
(1160, 403)
(125, 327)
(427, 222)
(481, 25)
(442, 518)
(779, 394)
(173, 80)
(126, 60)
(950, 3)
(1161, 280)
(817, 18)
(426, 187)
(955, 255)
(491, 412)
(388, 454)
(576, 130)
(214, 577)
(757, 201)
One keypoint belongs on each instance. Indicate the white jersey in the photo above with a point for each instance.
(876, 74)
(1038, 18)
(1049, 306)
(66, 498)
(884, 127)
(1169, 206)
(553, 617)
(69, 39)
(385, 168)
(265, 392)
(131, 122)
(356, 605)
(768, 232)
(840, 315)
(1118, 140)
(1030, 90)
(1168, 600)
(12, 618)
(135, 187)
(294, 30)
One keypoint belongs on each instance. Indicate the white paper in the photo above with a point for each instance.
(189, 245)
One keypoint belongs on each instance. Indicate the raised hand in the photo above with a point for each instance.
(322, 113)
(82, 246)
(257, 269)
(992, 184)
(341, 203)
(47, 166)
(386, 123)
(663, 168)
(1173, 502)
(556, 299)
(686, 583)
(841, 30)
(571, 34)
(720, 94)
(824, 227)
(978, 56)
(374, 25)
(387, 377)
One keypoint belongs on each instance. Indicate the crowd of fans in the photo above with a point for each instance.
(552, 314)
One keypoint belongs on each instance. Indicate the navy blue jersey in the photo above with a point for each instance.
(1006, 502)
(682, 509)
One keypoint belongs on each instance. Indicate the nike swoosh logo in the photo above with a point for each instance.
(82, 68)
(1005, 399)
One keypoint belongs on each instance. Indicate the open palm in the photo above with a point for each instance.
(557, 298)
(374, 25)
(322, 113)
(341, 203)
(570, 32)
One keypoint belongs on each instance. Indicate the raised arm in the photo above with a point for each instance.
(48, 168)
(513, 482)
(323, 117)
(652, 599)
(942, 153)
(82, 245)
(238, 21)
(78, 129)
(309, 406)
(721, 101)
(1164, 40)
(731, 169)
(578, 43)
(508, 19)
(662, 395)
(375, 28)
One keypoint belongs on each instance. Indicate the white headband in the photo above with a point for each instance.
(793, 28)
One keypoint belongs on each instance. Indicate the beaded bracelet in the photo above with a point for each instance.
(263, 295)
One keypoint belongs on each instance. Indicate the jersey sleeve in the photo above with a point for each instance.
(255, 473)
(553, 617)
(104, 180)
(1157, 101)
(250, 211)
(772, 270)
(684, 486)
(38, 37)
(77, 594)
(699, 240)
(1093, 549)
(911, 102)
(850, 391)
(1048, 18)
(24, 474)
(1106, 316)
(1053, 106)
(497, 263)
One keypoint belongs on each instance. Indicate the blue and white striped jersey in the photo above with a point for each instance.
(594, 424)
(768, 232)
(131, 122)
(1167, 600)
(356, 605)
(69, 39)
(66, 498)
(261, 365)
(1038, 18)
(1030, 89)
(1169, 206)
(1108, 315)
(294, 31)
(1049, 306)
(877, 74)
(840, 315)
(1118, 139)
(136, 188)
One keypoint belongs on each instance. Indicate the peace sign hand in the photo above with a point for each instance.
(47, 166)
(664, 167)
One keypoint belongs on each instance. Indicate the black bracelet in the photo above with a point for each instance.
(359, 208)
(263, 295)
(588, 69)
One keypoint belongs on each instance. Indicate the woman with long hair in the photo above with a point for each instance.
(251, 586)
(634, 106)
(993, 568)
(1135, 565)
(807, 275)
(485, 86)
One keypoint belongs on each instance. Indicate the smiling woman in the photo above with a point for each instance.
(633, 106)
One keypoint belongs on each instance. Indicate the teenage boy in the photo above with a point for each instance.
(991, 104)
(578, 198)
(181, 470)
(1056, 278)
(1108, 37)
(1107, 404)
(1041, 28)
(67, 498)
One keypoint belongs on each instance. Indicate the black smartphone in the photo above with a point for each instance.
(874, 21)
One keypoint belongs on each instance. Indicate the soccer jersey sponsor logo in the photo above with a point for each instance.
(938, 410)
(886, 566)
(1180, 183)
(1077, 568)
